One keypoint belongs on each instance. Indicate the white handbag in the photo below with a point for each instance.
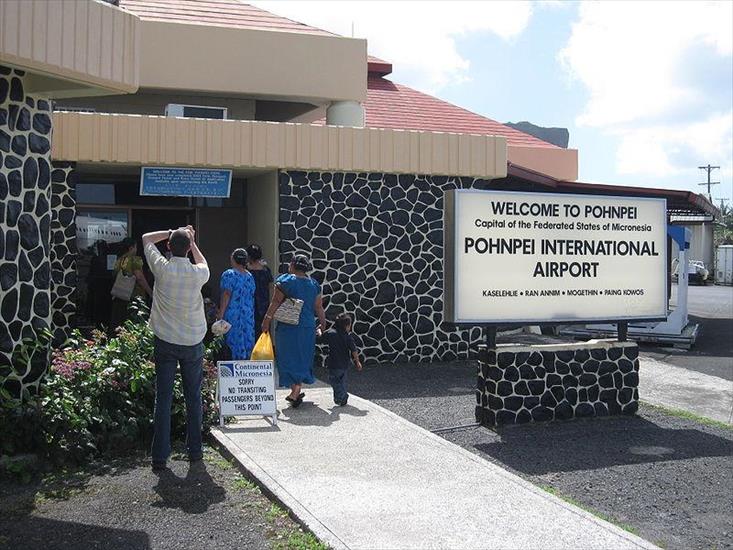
(288, 311)
(124, 285)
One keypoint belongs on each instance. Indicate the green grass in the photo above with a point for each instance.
(61, 485)
(244, 484)
(282, 531)
(600, 515)
(298, 540)
(275, 512)
(58, 493)
(687, 415)
(219, 461)
(287, 536)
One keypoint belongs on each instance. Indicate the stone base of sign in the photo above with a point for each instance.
(519, 383)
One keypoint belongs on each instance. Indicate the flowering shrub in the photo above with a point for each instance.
(99, 393)
(19, 415)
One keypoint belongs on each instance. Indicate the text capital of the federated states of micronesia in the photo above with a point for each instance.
(494, 293)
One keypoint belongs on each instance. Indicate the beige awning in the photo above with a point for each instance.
(71, 48)
(168, 141)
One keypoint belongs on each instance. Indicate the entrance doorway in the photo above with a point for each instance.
(110, 208)
(99, 233)
(148, 219)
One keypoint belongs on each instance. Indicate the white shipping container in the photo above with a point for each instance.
(724, 264)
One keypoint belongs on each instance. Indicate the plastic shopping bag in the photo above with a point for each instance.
(263, 350)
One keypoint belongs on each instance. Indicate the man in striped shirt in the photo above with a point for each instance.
(178, 321)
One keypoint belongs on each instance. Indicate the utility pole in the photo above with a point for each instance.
(709, 169)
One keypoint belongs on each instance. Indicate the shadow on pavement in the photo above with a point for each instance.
(408, 380)
(192, 494)
(599, 443)
(713, 339)
(310, 415)
(251, 424)
(50, 533)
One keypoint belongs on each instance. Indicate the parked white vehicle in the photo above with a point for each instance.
(696, 271)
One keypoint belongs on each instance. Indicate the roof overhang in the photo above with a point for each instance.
(691, 219)
(71, 48)
(168, 141)
(252, 62)
(556, 162)
(681, 205)
(378, 66)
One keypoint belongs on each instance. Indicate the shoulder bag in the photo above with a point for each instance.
(124, 284)
(288, 311)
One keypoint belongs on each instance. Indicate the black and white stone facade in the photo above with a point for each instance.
(376, 241)
(519, 384)
(25, 225)
(63, 248)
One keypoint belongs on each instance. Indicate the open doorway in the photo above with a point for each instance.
(110, 208)
(99, 235)
(147, 220)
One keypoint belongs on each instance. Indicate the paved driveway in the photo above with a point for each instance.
(712, 307)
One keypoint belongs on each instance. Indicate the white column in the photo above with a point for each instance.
(683, 281)
(345, 113)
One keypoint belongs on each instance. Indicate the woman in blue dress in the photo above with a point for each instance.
(237, 306)
(263, 281)
(295, 344)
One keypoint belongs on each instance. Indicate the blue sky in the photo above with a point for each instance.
(645, 88)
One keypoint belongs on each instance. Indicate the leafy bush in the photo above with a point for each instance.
(99, 393)
(19, 414)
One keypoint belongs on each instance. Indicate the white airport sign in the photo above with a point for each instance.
(514, 257)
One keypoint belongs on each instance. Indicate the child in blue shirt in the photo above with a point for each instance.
(341, 351)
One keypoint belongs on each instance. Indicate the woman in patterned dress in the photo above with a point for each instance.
(237, 306)
(296, 344)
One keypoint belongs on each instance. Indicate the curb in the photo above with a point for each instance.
(274, 491)
(308, 521)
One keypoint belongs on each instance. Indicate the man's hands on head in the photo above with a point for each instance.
(190, 230)
(155, 237)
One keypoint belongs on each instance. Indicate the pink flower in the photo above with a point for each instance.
(68, 368)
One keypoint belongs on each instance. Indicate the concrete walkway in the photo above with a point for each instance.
(669, 386)
(362, 477)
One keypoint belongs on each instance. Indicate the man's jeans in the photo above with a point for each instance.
(167, 357)
(337, 379)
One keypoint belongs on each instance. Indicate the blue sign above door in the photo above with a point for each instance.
(185, 182)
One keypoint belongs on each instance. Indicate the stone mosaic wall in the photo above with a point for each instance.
(518, 384)
(63, 248)
(25, 225)
(376, 241)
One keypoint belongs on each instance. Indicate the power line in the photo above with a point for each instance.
(709, 169)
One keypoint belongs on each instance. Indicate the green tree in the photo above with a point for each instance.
(723, 233)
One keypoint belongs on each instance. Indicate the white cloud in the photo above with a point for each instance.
(631, 57)
(627, 54)
(419, 38)
(673, 149)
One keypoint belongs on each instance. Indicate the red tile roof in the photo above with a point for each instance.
(378, 66)
(388, 105)
(224, 13)
(392, 105)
